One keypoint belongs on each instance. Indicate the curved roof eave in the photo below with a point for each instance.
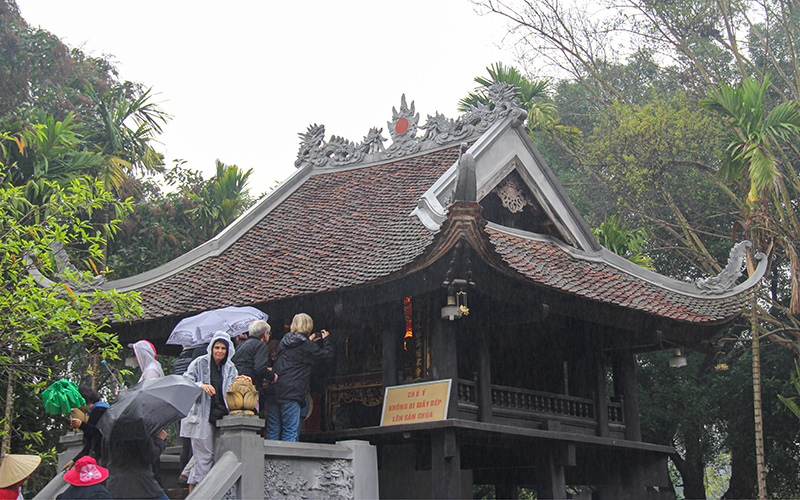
(219, 243)
(620, 263)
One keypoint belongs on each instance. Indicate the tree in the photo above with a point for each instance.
(630, 244)
(109, 131)
(48, 305)
(750, 158)
(165, 225)
(789, 401)
(221, 199)
(688, 48)
(38, 70)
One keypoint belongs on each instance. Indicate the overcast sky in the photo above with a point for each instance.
(242, 78)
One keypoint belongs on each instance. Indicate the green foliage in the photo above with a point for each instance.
(533, 94)
(654, 162)
(790, 401)
(754, 133)
(48, 308)
(630, 244)
(165, 225)
(220, 200)
(108, 128)
(530, 91)
(38, 70)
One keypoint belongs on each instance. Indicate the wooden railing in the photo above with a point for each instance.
(542, 402)
(615, 413)
(557, 405)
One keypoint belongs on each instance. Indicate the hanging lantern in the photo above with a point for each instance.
(451, 310)
(461, 303)
(677, 360)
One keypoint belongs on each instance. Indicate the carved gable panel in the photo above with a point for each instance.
(512, 204)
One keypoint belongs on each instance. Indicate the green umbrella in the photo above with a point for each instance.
(61, 397)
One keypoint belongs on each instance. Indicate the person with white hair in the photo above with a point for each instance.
(252, 355)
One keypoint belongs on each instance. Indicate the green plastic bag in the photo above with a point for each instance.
(61, 397)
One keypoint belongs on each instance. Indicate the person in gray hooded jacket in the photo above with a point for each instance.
(213, 372)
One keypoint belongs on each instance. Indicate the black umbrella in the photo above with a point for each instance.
(148, 407)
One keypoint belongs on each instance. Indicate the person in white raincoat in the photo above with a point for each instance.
(213, 372)
(148, 362)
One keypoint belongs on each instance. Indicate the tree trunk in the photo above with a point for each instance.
(742, 479)
(693, 471)
(757, 416)
(9, 414)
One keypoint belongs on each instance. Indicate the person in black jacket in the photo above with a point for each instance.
(130, 467)
(297, 354)
(92, 438)
(252, 355)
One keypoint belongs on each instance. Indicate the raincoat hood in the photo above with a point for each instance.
(220, 335)
(146, 357)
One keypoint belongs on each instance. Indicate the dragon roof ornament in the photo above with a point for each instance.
(726, 280)
(439, 131)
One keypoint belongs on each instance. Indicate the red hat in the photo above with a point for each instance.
(86, 472)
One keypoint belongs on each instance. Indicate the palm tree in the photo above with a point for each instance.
(628, 243)
(222, 198)
(755, 133)
(47, 150)
(123, 125)
(756, 136)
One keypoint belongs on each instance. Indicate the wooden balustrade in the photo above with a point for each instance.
(545, 403)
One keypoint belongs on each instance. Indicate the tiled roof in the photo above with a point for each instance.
(337, 229)
(548, 264)
(348, 227)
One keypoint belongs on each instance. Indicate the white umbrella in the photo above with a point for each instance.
(200, 328)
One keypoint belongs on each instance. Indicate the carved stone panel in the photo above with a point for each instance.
(309, 479)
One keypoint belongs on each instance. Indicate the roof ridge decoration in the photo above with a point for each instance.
(439, 131)
(726, 279)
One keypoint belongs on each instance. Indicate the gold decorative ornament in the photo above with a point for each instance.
(242, 396)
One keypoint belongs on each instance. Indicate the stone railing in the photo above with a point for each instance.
(249, 466)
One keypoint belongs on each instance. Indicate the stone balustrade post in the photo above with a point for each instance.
(240, 434)
(72, 442)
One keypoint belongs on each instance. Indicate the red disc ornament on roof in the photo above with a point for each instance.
(401, 126)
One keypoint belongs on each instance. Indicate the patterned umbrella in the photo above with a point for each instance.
(61, 397)
(200, 328)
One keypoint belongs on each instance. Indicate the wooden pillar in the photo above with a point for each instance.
(484, 383)
(445, 464)
(601, 398)
(389, 355)
(630, 402)
(444, 360)
(551, 480)
(626, 481)
(506, 491)
(392, 320)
